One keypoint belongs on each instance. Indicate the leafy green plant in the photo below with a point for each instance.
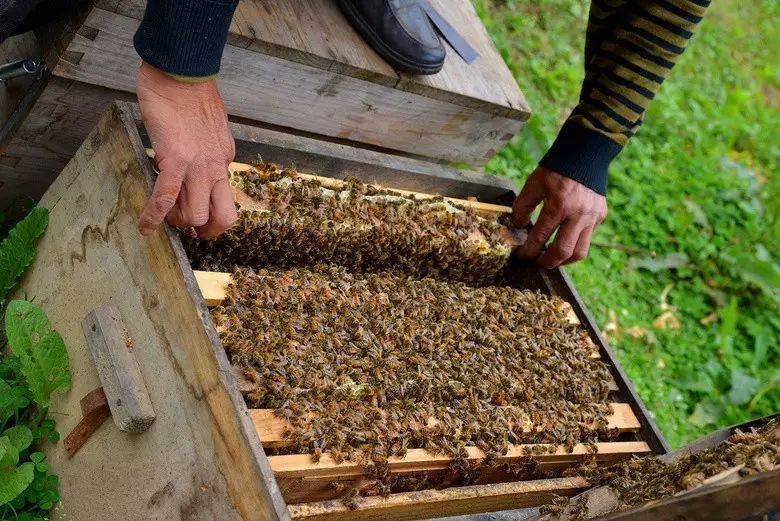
(33, 365)
(17, 249)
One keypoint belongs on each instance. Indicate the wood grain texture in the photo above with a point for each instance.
(272, 429)
(421, 460)
(112, 350)
(199, 455)
(275, 90)
(435, 503)
(316, 34)
(49, 136)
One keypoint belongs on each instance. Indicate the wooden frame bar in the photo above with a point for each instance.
(456, 500)
(271, 428)
(421, 460)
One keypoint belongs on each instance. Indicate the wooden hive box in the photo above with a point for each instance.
(292, 64)
(203, 456)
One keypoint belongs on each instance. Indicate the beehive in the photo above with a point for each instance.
(204, 457)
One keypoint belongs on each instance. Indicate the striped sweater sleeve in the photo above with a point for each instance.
(630, 47)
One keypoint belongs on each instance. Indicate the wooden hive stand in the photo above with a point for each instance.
(295, 64)
(204, 457)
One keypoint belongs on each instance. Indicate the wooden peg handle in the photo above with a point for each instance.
(123, 383)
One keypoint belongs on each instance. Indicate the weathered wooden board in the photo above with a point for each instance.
(315, 33)
(198, 458)
(451, 501)
(749, 498)
(53, 130)
(274, 90)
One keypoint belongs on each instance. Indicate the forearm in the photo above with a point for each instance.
(631, 48)
(185, 38)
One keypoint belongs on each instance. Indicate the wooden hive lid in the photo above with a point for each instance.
(315, 33)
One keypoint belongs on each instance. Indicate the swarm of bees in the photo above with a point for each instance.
(371, 322)
(299, 222)
(640, 480)
(367, 366)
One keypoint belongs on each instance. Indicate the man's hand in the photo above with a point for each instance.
(570, 207)
(193, 147)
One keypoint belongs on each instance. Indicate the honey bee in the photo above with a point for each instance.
(371, 340)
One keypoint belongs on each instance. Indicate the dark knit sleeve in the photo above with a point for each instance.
(631, 46)
(185, 37)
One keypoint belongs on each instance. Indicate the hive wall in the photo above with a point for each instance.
(198, 458)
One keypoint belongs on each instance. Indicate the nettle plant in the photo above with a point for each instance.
(33, 365)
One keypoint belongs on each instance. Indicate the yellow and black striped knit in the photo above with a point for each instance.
(630, 47)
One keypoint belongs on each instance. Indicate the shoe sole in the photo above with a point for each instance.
(387, 53)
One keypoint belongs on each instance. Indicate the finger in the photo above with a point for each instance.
(525, 203)
(563, 246)
(582, 247)
(222, 213)
(192, 207)
(547, 223)
(164, 195)
(176, 216)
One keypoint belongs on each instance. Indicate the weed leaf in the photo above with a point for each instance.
(15, 480)
(41, 351)
(17, 249)
(728, 327)
(743, 387)
(20, 436)
(760, 349)
(12, 398)
(705, 413)
(9, 454)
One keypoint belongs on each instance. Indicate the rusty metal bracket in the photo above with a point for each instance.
(94, 409)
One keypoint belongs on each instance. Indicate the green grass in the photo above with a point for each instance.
(694, 208)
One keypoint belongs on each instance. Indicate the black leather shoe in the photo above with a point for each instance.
(400, 31)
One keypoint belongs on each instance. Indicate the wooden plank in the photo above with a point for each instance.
(49, 136)
(212, 286)
(92, 255)
(451, 501)
(112, 349)
(420, 460)
(751, 497)
(266, 88)
(316, 34)
(272, 429)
